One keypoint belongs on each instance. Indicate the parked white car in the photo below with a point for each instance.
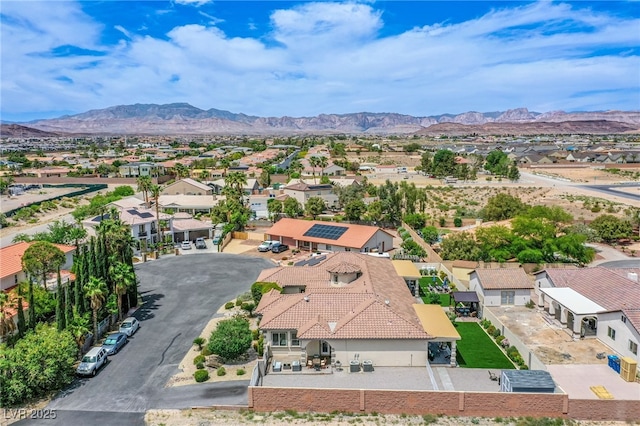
(266, 245)
(129, 326)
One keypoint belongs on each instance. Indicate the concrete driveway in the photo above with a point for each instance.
(181, 294)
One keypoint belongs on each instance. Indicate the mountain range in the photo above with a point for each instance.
(182, 118)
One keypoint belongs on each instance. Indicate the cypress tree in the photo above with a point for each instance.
(68, 308)
(21, 322)
(32, 305)
(78, 265)
(90, 257)
(60, 320)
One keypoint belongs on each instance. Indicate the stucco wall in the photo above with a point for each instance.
(383, 353)
(380, 241)
(624, 333)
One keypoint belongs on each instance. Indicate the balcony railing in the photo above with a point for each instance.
(142, 234)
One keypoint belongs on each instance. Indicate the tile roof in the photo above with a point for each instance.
(503, 278)
(633, 315)
(192, 182)
(376, 305)
(606, 287)
(356, 236)
(190, 225)
(11, 257)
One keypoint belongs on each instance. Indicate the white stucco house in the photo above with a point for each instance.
(501, 286)
(598, 302)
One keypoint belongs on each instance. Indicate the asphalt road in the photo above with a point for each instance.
(615, 190)
(181, 294)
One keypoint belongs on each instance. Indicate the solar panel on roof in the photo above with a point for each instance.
(145, 215)
(328, 232)
(301, 263)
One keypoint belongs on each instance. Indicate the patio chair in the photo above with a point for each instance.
(493, 377)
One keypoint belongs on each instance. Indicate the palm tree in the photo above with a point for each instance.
(124, 277)
(144, 183)
(314, 162)
(155, 193)
(323, 162)
(96, 291)
(7, 325)
(236, 181)
(204, 175)
(181, 170)
(294, 166)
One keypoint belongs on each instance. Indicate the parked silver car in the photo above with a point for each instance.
(92, 361)
(129, 326)
(114, 342)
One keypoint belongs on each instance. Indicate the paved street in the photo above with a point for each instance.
(181, 294)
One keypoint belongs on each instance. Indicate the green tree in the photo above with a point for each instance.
(42, 258)
(39, 363)
(291, 207)
(415, 220)
(124, 278)
(231, 338)
(314, 162)
(355, 209)
(7, 325)
(460, 246)
(96, 291)
(496, 242)
(430, 234)
(315, 206)
(513, 174)
(502, 206)
(611, 228)
(22, 324)
(274, 207)
(412, 147)
(265, 178)
(497, 163)
(374, 211)
(144, 184)
(60, 318)
(444, 163)
(5, 183)
(155, 191)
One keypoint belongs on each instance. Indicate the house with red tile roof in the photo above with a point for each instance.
(316, 235)
(347, 306)
(11, 272)
(501, 286)
(598, 302)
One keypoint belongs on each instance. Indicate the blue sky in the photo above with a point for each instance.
(295, 58)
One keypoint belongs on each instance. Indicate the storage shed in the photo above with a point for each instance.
(538, 381)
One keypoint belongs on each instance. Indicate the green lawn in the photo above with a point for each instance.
(426, 282)
(477, 350)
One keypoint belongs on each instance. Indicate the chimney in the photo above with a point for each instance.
(633, 276)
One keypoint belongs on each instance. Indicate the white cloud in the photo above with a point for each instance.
(122, 30)
(196, 3)
(325, 58)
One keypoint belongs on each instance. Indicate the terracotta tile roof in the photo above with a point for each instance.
(11, 257)
(633, 315)
(357, 310)
(344, 268)
(468, 264)
(356, 236)
(606, 287)
(503, 278)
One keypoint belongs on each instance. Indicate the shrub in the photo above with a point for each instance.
(240, 372)
(499, 339)
(229, 305)
(205, 351)
(199, 341)
(255, 334)
(221, 372)
(442, 221)
(496, 333)
(200, 365)
(231, 338)
(238, 302)
(249, 308)
(491, 329)
(457, 222)
(260, 345)
(530, 304)
(485, 323)
(259, 288)
(201, 376)
(198, 359)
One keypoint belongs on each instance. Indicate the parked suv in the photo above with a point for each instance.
(279, 247)
(200, 243)
(266, 245)
(92, 361)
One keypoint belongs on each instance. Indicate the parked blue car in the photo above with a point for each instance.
(114, 342)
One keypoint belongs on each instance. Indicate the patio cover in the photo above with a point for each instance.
(465, 296)
(435, 322)
(572, 300)
(406, 269)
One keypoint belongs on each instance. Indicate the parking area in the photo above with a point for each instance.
(398, 378)
(577, 380)
(549, 340)
(180, 294)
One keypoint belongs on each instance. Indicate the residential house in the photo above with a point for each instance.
(251, 187)
(186, 228)
(501, 286)
(11, 272)
(142, 222)
(349, 306)
(187, 187)
(302, 192)
(594, 302)
(138, 169)
(192, 204)
(315, 235)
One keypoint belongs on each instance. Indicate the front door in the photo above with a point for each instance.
(325, 348)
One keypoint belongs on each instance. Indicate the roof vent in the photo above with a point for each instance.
(633, 276)
(386, 302)
(306, 298)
